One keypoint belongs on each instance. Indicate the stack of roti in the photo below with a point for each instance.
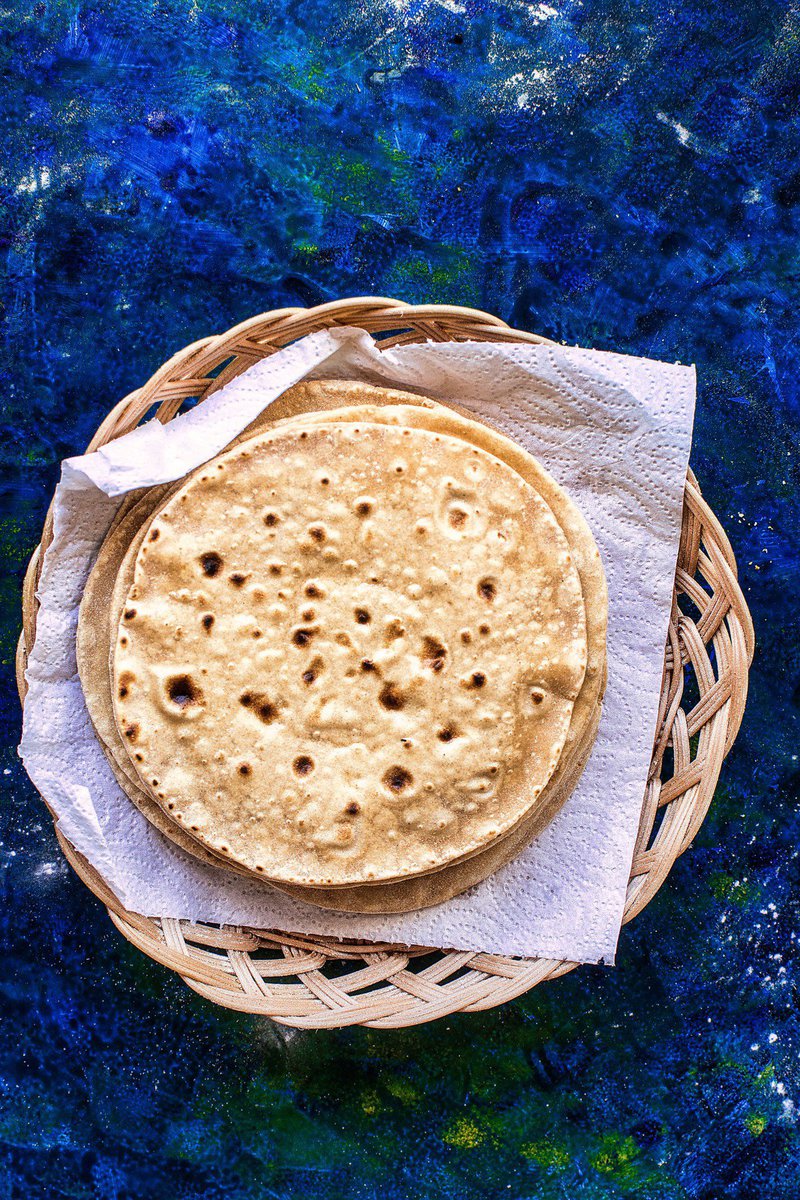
(359, 655)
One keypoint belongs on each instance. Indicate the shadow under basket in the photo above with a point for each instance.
(324, 983)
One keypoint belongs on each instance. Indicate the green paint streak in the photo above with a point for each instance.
(16, 546)
(756, 1123)
(406, 1093)
(17, 543)
(306, 80)
(547, 1154)
(615, 1156)
(733, 891)
(371, 1104)
(464, 1134)
(393, 153)
(454, 278)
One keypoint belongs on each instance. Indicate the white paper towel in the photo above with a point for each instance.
(614, 431)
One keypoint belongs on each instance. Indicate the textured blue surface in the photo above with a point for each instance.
(620, 175)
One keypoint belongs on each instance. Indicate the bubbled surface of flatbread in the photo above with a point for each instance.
(350, 653)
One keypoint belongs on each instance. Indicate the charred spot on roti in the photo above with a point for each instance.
(362, 616)
(487, 589)
(211, 563)
(391, 697)
(394, 630)
(313, 590)
(303, 765)
(260, 705)
(433, 653)
(155, 534)
(183, 692)
(207, 620)
(124, 683)
(397, 779)
(237, 578)
(129, 614)
(302, 637)
(132, 732)
(476, 680)
(313, 671)
(270, 518)
(245, 769)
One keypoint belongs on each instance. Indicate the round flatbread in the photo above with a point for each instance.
(404, 896)
(444, 609)
(419, 892)
(413, 893)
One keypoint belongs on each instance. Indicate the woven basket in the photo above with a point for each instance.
(323, 983)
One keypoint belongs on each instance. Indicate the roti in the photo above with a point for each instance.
(419, 892)
(455, 878)
(450, 881)
(402, 544)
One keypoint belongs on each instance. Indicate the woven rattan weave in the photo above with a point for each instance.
(320, 983)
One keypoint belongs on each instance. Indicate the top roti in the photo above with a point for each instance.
(350, 652)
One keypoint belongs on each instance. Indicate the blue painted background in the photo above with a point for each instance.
(619, 175)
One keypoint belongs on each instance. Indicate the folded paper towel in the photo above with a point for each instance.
(614, 431)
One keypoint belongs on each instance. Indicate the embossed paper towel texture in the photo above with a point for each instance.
(614, 431)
